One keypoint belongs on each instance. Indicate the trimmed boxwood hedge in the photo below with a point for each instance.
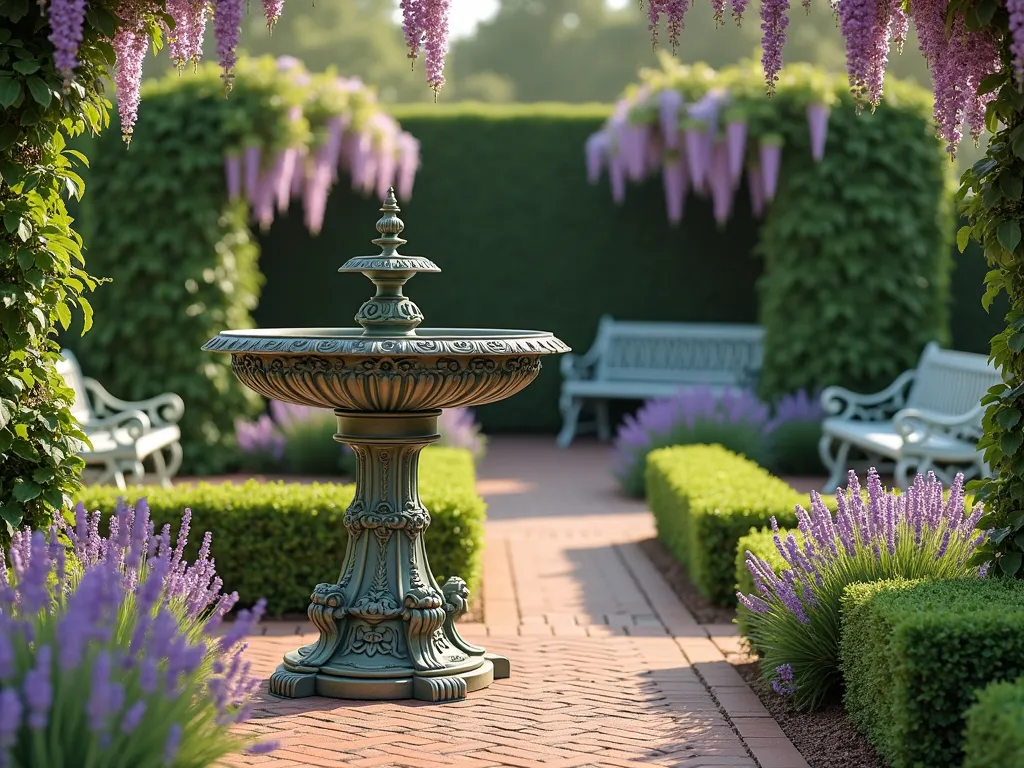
(995, 727)
(914, 655)
(279, 540)
(704, 499)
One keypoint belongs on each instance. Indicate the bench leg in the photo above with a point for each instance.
(836, 465)
(571, 408)
(907, 468)
(604, 421)
(166, 468)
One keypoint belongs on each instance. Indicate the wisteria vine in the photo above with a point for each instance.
(425, 25)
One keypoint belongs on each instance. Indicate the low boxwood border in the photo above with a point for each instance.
(279, 540)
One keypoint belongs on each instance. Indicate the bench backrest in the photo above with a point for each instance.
(951, 382)
(684, 353)
(69, 369)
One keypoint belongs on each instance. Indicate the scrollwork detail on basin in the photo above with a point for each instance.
(387, 383)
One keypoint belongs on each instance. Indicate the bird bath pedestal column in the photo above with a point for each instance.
(387, 628)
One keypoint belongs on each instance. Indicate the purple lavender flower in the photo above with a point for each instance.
(38, 690)
(130, 44)
(874, 534)
(458, 429)
(10, 717)
(735, 418)
(783, 683)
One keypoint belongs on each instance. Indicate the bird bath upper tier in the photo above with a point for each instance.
(387, 629)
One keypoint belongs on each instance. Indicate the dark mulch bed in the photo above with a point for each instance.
(666, 563)
(826, 738)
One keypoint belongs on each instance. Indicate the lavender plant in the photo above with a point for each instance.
(793, 434)
(793, 619)
(112, 651)
(459, 429)
(735, 419)
(297, 439)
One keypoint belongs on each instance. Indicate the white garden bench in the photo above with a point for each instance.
(927, 420)
(124, 434)
(641, 360)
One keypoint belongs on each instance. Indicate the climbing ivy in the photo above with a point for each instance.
(991, 195)
(42, 275)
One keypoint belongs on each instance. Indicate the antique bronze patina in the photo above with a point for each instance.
(387, 628)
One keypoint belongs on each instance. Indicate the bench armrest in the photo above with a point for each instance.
(576, 367)
(916, 426)
(162, 410)
(125, 428)
(843, 403)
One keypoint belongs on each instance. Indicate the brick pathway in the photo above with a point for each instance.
(608, 667)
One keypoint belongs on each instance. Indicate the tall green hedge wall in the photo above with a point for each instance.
(502, 206)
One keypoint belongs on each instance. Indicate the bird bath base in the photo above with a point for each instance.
(387, 629)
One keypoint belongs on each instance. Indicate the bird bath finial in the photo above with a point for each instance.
(389, 312)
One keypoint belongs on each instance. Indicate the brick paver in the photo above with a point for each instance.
(608, 667)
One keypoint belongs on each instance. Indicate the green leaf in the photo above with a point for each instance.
(1008, 234)
(1011, 185)
(990, 82)
(25, 449)
(64, 315)
(27, 67)
(5, 414)
(40, 91)
(1008, 418)
(1017, 141)
(963, 236)
(43, 475)
(86, 314)
(1010, 442)
(10, 90)
(8, 135)
(1019, 540)
(103, 20)
(79, 155)
(1016, 341)
(1010, 563)
(13, 515)
(26, 491)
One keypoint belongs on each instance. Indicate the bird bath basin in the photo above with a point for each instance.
(387, 628)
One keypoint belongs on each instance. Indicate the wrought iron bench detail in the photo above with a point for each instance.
(640, 360)
(927, 420)
(124, 434)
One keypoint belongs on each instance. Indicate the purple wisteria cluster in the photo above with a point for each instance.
(958, 58)
(700, 146)
(901, 534)
(377, 154)
(115, 645)
(425, 24)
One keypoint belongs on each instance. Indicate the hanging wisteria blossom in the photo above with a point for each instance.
(701, 145)
(338, 128)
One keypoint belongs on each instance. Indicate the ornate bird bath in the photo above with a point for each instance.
(387, 629)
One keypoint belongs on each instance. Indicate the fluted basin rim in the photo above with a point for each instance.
(352, 341)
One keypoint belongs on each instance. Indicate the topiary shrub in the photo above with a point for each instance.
(262, 532)
(704, 499)
(994, 737)
(915, 653)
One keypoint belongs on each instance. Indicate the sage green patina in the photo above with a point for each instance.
(387, 628)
